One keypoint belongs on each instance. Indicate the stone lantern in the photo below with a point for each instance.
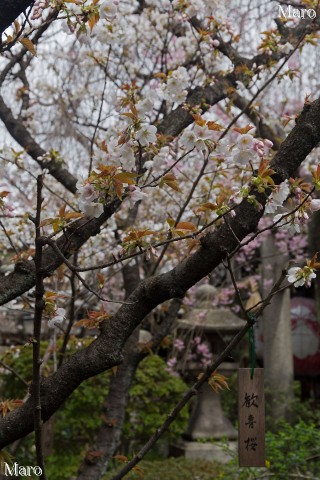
(207, 420)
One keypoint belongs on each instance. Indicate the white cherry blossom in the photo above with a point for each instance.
(146, 134)
(315, 205)
(188, 139)
(174, 90)
(135, 194)
(301, 276)
(108, 10)
(57, 320)
(242, 157)
(87, 193)
(92, 209)
(278, 197)
(245, 142)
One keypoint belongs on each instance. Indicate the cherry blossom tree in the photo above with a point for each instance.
(145, 144)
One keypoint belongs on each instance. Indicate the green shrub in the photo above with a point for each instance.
(153, 395)
(294, 450)
(291, 452)
(74, 425)
(154, 392)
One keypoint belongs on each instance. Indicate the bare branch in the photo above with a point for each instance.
(38, 311)
(19, 132)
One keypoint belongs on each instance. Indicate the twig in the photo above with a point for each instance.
(186, 203)
(71, 316)
(120, 260)
(39, 306)
(275, 289)
(235, 286)
(100, 111)
(54, 246)
(273, 225)
(8, 237)
(155, 179)
(16, 374)
(264, 86)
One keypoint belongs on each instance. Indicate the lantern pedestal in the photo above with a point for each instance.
(208, 420)
(205, 450)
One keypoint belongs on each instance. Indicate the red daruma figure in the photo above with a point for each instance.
(305, 330)
(305, 337)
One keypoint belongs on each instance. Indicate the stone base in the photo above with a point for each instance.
(205, 451)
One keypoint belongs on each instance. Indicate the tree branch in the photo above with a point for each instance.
(115, 404)
(21, 135)
(263, 129)
(22, 278)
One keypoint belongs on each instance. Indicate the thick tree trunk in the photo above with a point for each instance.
(107, 440)
(108, 437)
(278, 359)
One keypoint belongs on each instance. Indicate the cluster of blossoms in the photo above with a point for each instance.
(120, 154)
(278, 197)
(300, 276)
(106, 181)
(138, 130)
(245, 257)
(206, 7)
(226, 296)
(38, 7)
(135, 194)
(294, 221)
(145, 105)
(242, 151)
(89, 202)
(159, 161)
(5, 208)
(314, 205)
(174, 90)
(146, 134)
(248, 148)
(200, 352)
(56, 315)
(197, 138)
(79, 13)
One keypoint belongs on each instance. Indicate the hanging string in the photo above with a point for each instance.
(251, 345)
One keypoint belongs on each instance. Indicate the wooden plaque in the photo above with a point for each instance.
(251, 409)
